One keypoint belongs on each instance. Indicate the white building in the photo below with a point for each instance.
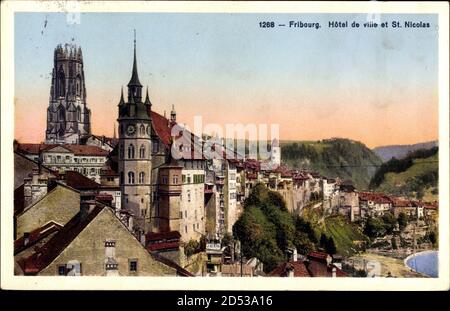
(87, 160)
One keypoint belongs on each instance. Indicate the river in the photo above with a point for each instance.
(424, 262)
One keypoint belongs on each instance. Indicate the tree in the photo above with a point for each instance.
(374, 227)
(330, 247)
(402, 221)
(389, 222)
(432, 236)
(323, 240)
(394, 243)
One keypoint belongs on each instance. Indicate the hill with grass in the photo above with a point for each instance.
(337, 157)
(415, 176)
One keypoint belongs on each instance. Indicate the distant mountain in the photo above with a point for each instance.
(385, 153)
(337, 157)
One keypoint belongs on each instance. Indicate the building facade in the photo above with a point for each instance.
(68, 117)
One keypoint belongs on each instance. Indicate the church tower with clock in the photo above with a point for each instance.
(134, 160)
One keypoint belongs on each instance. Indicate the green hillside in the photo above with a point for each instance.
(347, 236)
(420, 180)
(335, 157)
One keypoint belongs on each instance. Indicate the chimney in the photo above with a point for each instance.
(333, 272)
(26, 238)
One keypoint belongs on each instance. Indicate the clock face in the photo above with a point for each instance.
(130, 129)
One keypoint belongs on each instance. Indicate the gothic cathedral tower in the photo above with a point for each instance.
(68, 118)
(135, 164)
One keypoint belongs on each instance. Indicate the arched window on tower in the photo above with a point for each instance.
(141, 177)
(142, 130)
(131, 151)
(61, 84)
(78, 114)
(130, 177)
(121, 152)
(142, 152)
(78, 83)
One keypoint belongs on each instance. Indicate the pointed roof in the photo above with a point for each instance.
(122, 101)
(147, 99)
(134, 76)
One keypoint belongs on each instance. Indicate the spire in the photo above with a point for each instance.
(134, 76)
(147, 99)
(122, 101)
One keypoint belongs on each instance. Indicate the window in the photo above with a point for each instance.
(197, 226)
(155, 146)
(141, 177)
(175, 179)
(181, 215)
(130, 177)
(142, 130)
(189, 197)
(62, 270)
(183, 178)
(195, 214)
(164, 180)
(185, 229)
(133, 265)
(189, 179)
(121, 178)
(185, 215)
(131, 151)
(142, 152)
(92, 171)
(193, 227)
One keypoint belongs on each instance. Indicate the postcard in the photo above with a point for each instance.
(188, 145)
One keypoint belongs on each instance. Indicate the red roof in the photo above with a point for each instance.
(161, 127)
(44, 256)
(379, 198)
(153, 236)
(163, 246)
(79, 181)
(299, 268)
(35, 236)
(318, 255)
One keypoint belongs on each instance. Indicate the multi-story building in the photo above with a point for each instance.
(87, 160)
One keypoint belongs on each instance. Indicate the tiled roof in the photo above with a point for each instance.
(379, 198)
(79, 181)
(153, 236)
(283, 269)
(318, 255)
(161, 127)
(163, 246)
(44, 256)
(35, 236)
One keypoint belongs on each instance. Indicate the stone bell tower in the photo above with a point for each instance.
(135, 164)
(68, 118)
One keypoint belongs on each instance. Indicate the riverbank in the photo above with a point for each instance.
(428, 271)
(389, 266)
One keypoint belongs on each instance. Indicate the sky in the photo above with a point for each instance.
(377, 86)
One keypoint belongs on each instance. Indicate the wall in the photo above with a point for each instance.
(88, 248)
(59, 205)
